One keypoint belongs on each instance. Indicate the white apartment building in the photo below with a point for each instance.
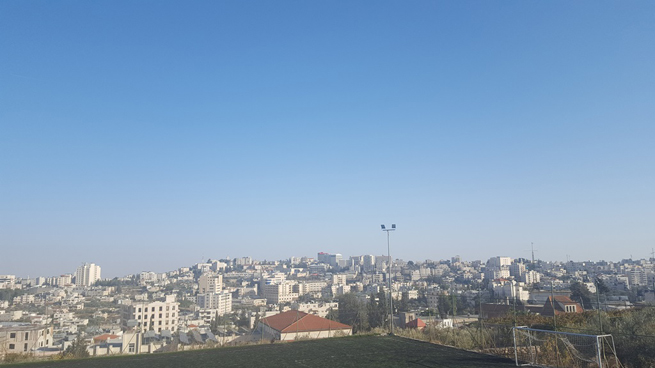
(331, 259)
(637, 277)
(531, 277)
(157, 316)
(279, 293)
(496, 274)
(16, 337)
(369, 263)
(210, 283)
(517, 270)
(220, 302)
(312, 287)
(87, 274)
(339, 279)
(7, 281)
(318, 309)
(510, 290)
(24, 299)
(148, 276)
(499, 262)
(61, 280)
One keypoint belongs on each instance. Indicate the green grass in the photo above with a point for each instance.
(356, 351)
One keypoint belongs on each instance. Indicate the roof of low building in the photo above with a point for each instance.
(105, 337)
(415, 323)
(559, 303)
(297, 321)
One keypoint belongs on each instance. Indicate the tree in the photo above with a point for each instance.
(377, 310)
(353, 312)
(580, 292)
(403, 306)
(77, 349)
(333, 315)
(601, 287)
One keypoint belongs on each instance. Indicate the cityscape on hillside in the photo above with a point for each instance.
(243, 300)
(201, 183)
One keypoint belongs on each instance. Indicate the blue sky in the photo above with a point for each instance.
(147, 135)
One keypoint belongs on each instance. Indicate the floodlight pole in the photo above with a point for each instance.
(393, 227)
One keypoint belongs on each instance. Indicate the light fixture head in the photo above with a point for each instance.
(382, 226)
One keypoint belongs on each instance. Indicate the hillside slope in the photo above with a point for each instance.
(356, 351)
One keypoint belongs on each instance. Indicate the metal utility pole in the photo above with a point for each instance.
(393, 227)
(552, 305)
(600, 319)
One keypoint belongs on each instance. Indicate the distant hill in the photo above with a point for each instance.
(355, 351)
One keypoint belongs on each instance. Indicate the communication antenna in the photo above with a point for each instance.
(532, 248)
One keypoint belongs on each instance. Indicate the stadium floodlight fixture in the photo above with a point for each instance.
(384, 228)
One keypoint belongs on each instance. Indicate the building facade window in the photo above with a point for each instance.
(12, 335)
(12, 346)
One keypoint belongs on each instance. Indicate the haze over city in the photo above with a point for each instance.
(153, 135)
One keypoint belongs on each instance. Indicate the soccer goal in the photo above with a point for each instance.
(533, 347)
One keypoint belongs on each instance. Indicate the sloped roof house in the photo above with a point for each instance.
(294, 324)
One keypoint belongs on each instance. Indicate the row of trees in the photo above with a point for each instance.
(361, 315)
(364, 316)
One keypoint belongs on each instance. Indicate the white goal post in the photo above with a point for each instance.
(534, 347)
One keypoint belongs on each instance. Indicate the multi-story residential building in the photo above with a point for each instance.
(243, 261)
(157, 316)
(7, 281)
(330, 259)
(517, 270)
(339, 279)
(24, 299)
(531, 277)
(499, 262)
(61, 280)
(221, 302)
(210, 283)
(509, 289)
(637, 277)
(18, 337)
(369, 263)
(87, 274)
(493, 274)
(312, 287)
(279, 293)
(147, 276)
(432, 296)
(319, 309)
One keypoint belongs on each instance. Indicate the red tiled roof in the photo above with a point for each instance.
(104, 337)
(296, 321)
(559, 302)
(415, 323)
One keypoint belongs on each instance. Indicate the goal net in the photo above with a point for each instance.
(535, 347)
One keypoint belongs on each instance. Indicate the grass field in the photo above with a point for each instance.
(356, 351)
